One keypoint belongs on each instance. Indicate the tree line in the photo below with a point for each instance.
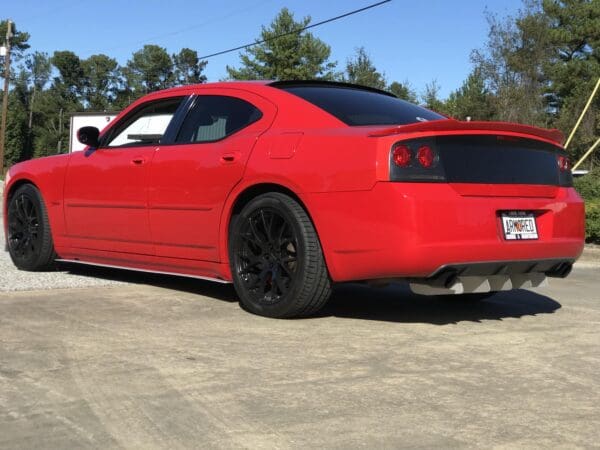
(536, 67)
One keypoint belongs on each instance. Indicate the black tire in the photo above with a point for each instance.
(29, 237)
(276, 259)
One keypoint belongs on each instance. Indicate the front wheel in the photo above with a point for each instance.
(29, 237)
(276, 259)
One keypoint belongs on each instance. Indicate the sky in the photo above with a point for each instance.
(408, 40)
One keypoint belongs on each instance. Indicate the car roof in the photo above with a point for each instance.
(252, 85)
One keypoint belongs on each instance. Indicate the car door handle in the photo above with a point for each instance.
(138, 160)
(229, 157)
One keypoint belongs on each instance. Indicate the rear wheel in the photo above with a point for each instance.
(29, 238)
(276, 259)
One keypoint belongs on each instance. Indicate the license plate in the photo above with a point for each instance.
(519, 226)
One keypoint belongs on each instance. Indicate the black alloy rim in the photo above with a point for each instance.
(266, 259)
(23, 227)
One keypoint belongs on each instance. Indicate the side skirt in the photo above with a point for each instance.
(138, 269)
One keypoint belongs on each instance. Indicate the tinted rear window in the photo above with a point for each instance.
(361, 107)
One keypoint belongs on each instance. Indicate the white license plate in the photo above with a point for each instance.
(519, 226)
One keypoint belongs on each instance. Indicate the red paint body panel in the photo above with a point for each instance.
(411, 229)
(172, 211)
(105, 200)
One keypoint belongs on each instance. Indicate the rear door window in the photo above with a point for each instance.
(214, 117)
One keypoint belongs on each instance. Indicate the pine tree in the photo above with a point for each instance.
(285, 53)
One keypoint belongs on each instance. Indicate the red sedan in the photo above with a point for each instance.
(284, 188)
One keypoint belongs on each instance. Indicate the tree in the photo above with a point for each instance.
(188, 67)
(18, 43)
(102, 76)
(574, 67)
(70, 80)
(38, 69)
(430, 97)
(360, 70)
(149, 69)
(511, 65)
(403, 91)
(284, 52)
(472, 99)
(16, 122)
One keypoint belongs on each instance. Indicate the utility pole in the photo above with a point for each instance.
(5, 93)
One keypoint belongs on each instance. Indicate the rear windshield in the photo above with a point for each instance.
(355, 106)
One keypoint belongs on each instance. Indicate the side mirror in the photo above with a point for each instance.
(88, 136)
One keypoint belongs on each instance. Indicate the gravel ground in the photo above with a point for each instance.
(12, 279)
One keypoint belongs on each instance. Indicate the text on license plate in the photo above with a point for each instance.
(519, 226)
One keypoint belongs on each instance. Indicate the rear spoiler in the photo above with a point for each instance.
(553, 135)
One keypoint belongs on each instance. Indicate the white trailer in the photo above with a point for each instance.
(84, 119)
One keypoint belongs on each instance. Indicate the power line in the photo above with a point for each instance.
(299, 30)
(191, 27)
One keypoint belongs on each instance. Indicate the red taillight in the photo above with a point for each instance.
(425, 156)
(563, 163)
(402, 155)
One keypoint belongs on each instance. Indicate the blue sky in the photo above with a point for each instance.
(408, 40)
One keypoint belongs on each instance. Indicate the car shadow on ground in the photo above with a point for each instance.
(395, 303)
(219, 291)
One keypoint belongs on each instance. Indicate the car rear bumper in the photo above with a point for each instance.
(414, 230)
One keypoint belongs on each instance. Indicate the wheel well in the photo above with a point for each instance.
(254, 191)
(15, 186)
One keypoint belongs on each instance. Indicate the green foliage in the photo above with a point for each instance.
(360, 70)
(574, 68)
(540, 67)
(71, 77)
(588, 187)
(295, 55)
(472, 99)
(403, 91)
(149, 69)
(430, 97)
(511, 65)
(188, 67)
(101, 82)
(16, 123)
(18, 43)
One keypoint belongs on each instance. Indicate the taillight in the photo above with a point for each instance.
(564, 164)
(426, 156)
(416, 160)
(402, 155)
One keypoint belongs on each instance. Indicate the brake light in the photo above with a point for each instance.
(402, 155)
(564, 164)
(425, 156)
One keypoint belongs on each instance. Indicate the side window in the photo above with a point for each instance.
(215, 117)
(145, 125)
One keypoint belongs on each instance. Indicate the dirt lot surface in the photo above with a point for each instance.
(174, 363)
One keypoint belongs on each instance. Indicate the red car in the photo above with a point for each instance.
(284, 188)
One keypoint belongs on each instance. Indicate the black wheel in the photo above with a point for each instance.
(276, 259)
(29, 238)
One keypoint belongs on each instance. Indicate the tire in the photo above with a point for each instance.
(276, 259)
(29, 237)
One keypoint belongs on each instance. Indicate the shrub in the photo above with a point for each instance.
(588, 187)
